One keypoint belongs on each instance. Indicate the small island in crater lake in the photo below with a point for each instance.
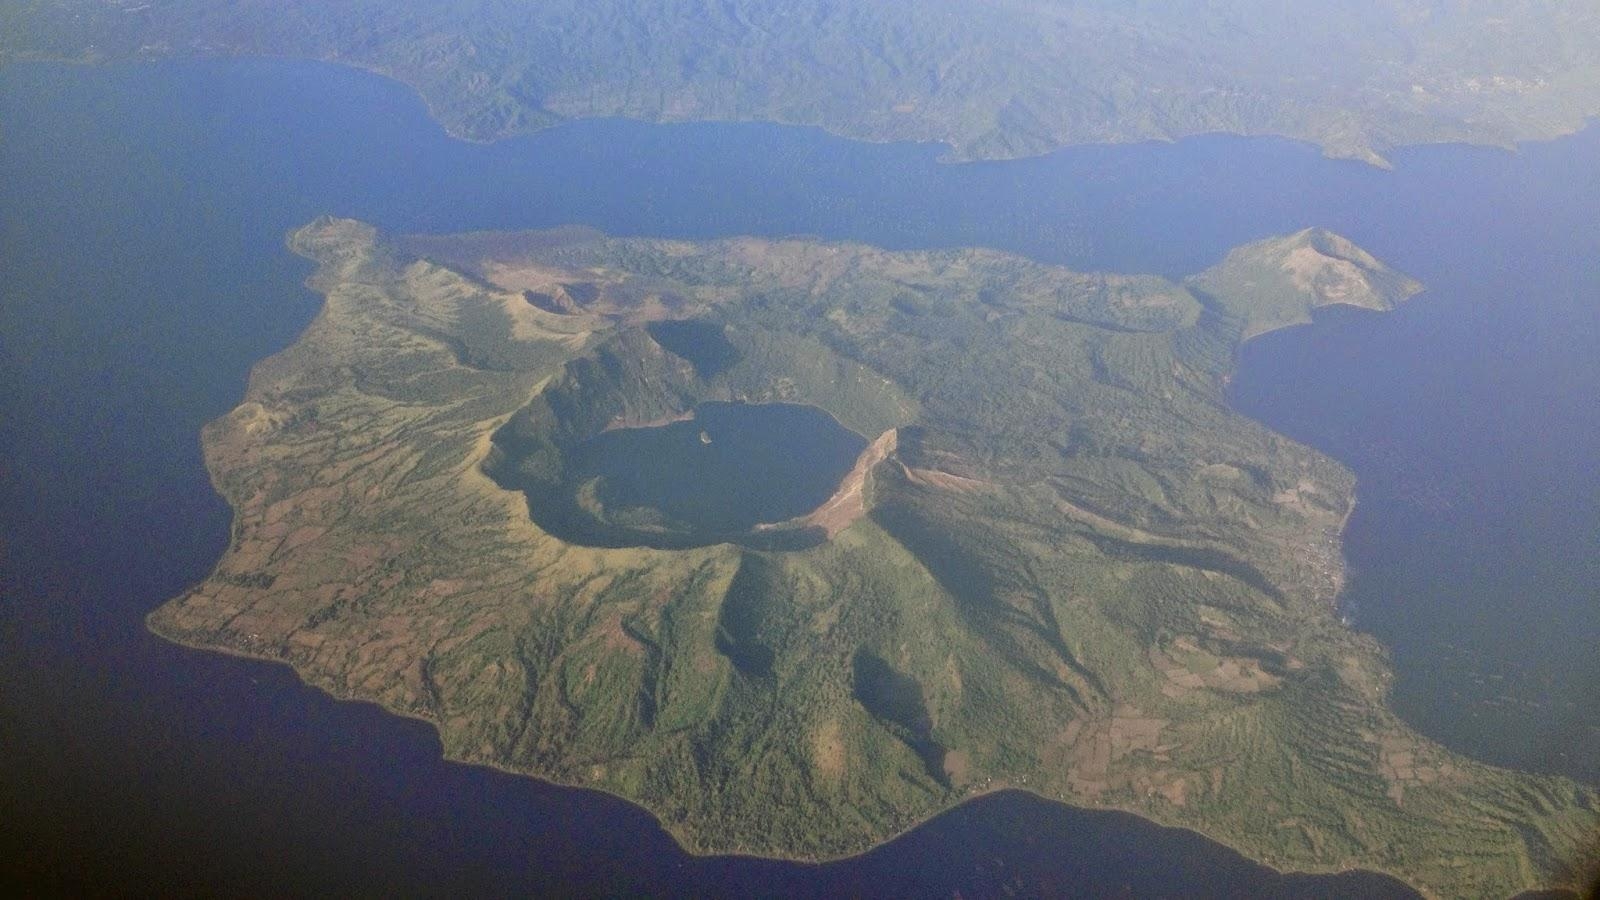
(797, 544)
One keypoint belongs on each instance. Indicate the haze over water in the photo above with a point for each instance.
(142, 271)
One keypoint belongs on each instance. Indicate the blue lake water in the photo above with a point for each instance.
(142, 272)
(707, 480)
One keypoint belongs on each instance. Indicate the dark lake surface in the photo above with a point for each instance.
(142, 272)
(731, 467)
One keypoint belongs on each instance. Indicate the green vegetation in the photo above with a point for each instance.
(993, 78)
(1276, 283)
(1063, 564)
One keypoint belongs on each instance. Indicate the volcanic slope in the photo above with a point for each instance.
(1060, 562)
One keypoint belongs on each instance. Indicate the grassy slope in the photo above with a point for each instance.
(994, 79)
(1080, 573)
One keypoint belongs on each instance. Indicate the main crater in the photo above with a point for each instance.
(721, 472)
